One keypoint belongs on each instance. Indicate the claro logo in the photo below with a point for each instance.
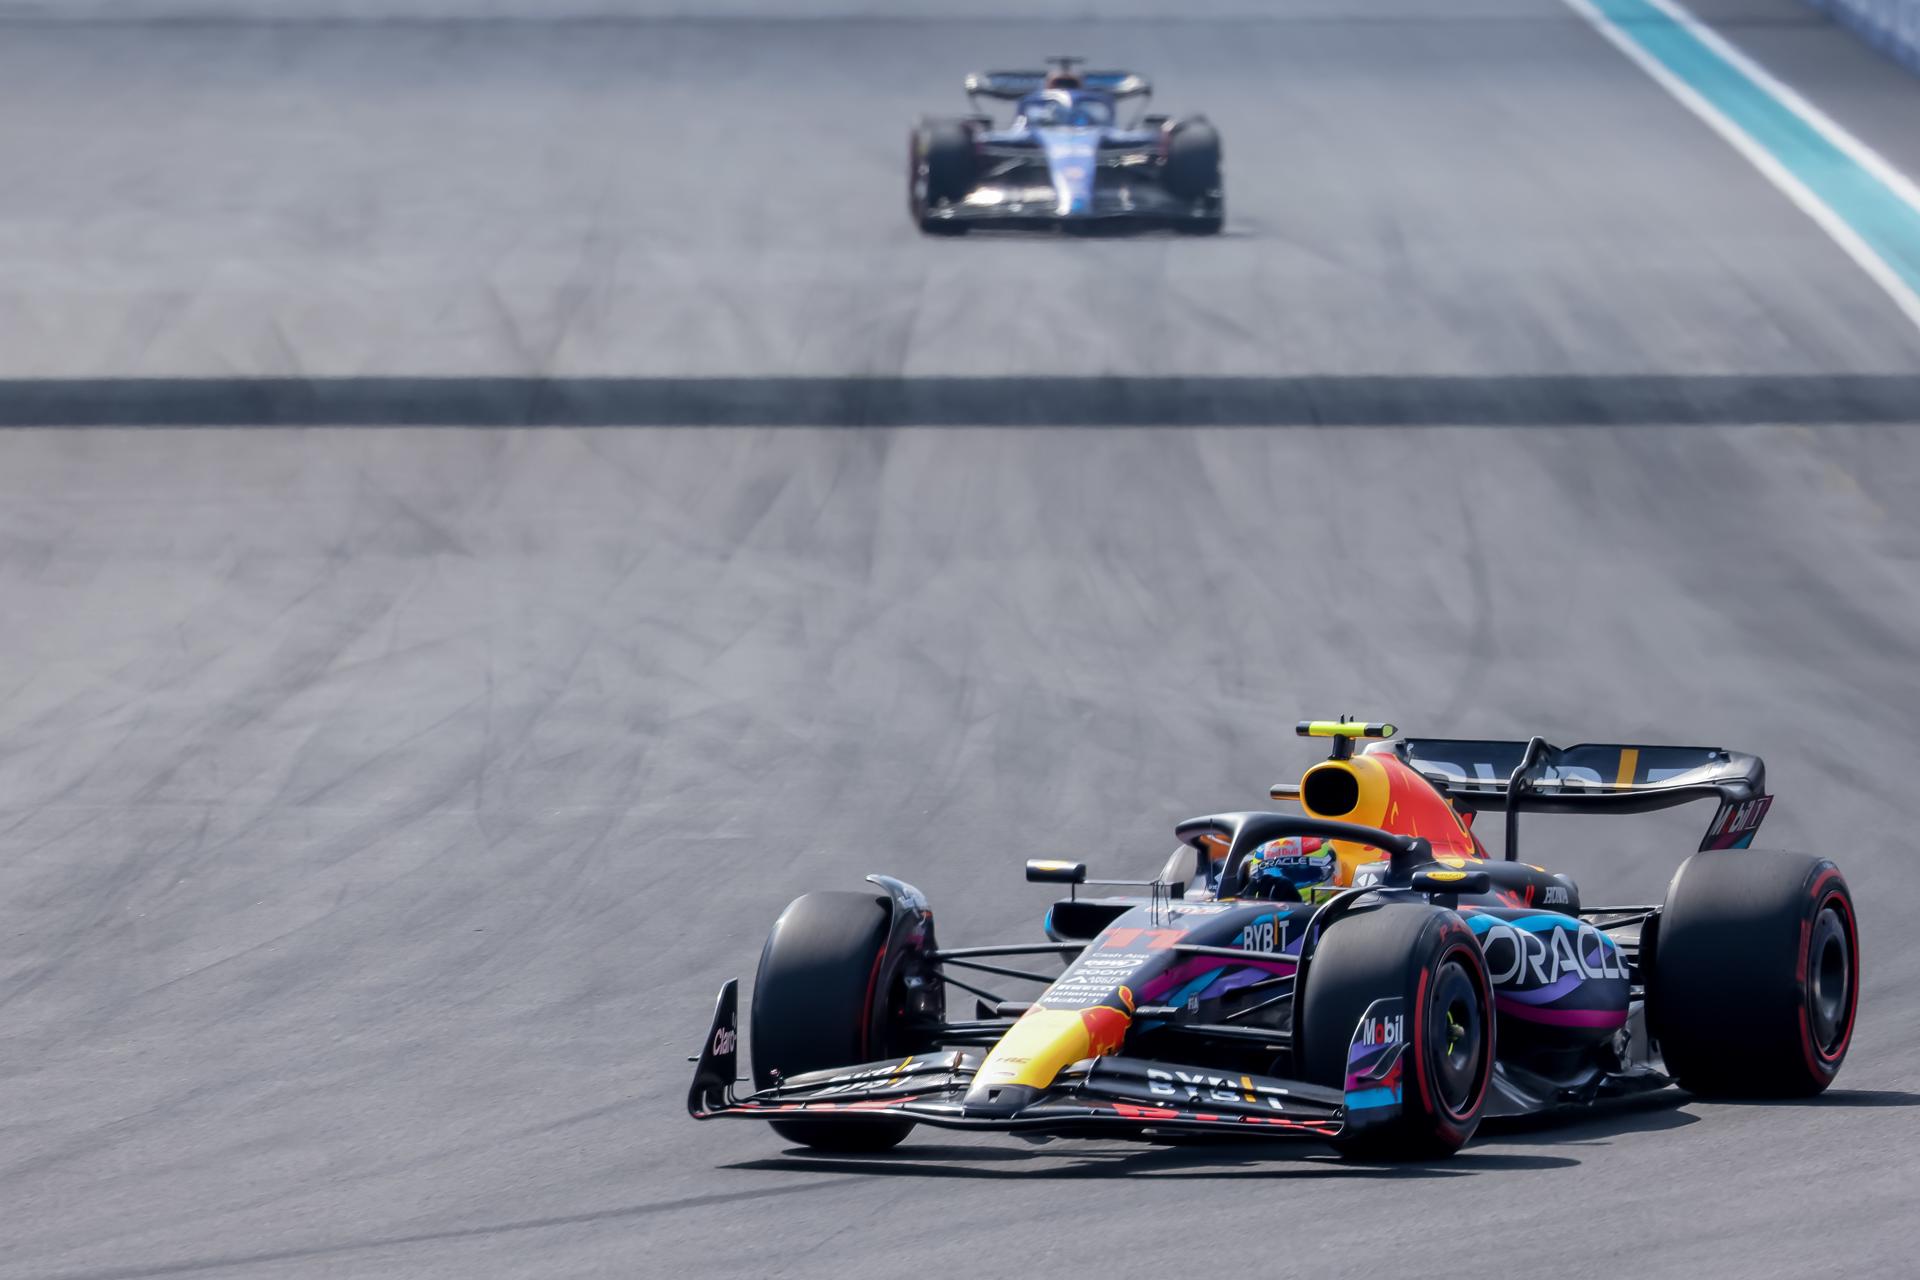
(1523, 958)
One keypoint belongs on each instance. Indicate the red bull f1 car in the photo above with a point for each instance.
(1360, 972)
(1065, 158)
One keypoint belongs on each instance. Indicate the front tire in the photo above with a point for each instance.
(814, 1007)
(941, 167)
(1755, 974)
(1428, 958)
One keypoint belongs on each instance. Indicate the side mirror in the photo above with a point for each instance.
(1055, 871)
(1452, 883)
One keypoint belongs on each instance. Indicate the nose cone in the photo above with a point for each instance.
(1044, 1041)
(1072, 159)
(999, 1101)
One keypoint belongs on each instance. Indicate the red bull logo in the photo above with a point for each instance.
(1106, 1029)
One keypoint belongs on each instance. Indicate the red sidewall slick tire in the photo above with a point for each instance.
(1426, 956)
(1452, 1117)
(813, 1007)
(1754, 983)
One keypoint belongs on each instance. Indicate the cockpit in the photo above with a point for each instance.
(1064, 109)
(1296, 868)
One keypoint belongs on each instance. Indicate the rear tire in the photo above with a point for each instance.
(1205, 226)
(1428, 958)
(1755, 975)
(941, 169)
(1193, 160)
(813, 1007)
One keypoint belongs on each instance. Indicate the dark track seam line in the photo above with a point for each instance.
(300, 22)
(1308, 400)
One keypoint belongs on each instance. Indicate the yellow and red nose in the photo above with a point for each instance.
(1037, 1048)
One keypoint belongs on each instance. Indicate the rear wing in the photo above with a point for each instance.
(1011, 86)
(1538, 777)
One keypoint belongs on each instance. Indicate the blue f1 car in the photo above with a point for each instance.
(1065, 158)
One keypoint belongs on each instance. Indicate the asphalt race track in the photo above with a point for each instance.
(382, 805)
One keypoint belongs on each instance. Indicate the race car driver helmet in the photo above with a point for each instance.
(1287, 869)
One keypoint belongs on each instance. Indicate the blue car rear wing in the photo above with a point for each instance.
(1538, 777)
(1011, 86)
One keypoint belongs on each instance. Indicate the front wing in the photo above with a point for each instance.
(1111, 1096)
(1010, 204)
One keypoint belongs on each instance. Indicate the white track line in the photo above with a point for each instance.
(1836, 227)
